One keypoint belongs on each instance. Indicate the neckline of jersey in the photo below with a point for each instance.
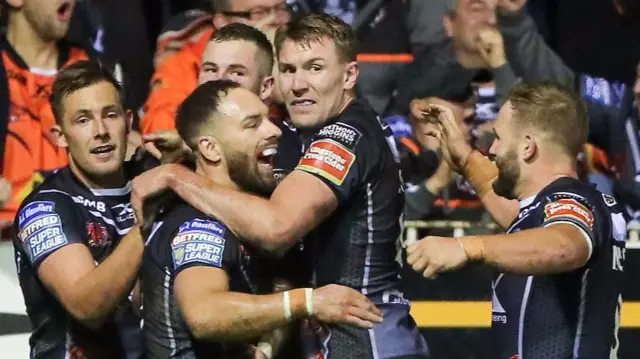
(527, 201)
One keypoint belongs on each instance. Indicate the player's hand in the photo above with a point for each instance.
(511, 6)
(165, 145)
(491, 47)
(440, 119)
(432, 255)
(338, 304)
(150, 184)
(5, 191)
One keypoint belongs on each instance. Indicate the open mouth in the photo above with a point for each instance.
(103, 151)
(302, 103)
(65, 10)
(265, 157)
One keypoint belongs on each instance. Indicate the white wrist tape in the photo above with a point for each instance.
(308, 297)
(266, 349)
(286, 302)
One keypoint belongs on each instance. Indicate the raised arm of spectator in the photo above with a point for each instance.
(491, 46)
(528, 53)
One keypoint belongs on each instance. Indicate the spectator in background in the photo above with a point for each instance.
(472, 47)
(32, 49)
(177, 75)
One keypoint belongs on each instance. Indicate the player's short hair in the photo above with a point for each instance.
(77, 76)
(242, 32)
(316, 28)
(197, 110)
(555, 110)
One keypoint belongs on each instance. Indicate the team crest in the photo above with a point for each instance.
(98, 235)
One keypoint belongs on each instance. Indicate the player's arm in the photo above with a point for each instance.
(563, 242)
(88, 292)
(54, 241)
(557, 248)
(299, 203)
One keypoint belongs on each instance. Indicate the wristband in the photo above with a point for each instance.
(308, 298)
(266, 349)
(286, 302)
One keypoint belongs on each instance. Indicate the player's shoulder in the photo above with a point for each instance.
(183, 219)
(356, 122)
(571, 188)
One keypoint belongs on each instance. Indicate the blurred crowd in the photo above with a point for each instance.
(467, 52)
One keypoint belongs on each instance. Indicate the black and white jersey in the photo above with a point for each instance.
(568, 315)
(60, 212)
(355, 155)
(181, 238)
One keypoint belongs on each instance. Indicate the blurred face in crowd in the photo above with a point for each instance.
(263, 14)
(238, 61)
(49, 18)
(314, 81)
(469, 18)
(504, 152)
(247, 141)
(94, 129)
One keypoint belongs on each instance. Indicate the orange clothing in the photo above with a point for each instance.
(29, 146)
(173, 81)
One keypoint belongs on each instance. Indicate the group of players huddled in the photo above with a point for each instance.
(240, 235)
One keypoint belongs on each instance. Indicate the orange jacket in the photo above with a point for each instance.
(29, 146)
(173, 81)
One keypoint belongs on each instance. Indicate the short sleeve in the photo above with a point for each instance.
(572, 209)
(337, 155)
(202, 242)
(45, 226)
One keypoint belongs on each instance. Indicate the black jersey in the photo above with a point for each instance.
(289, 148)
(60, 212)
(568, 315)
(183, 237)
(355, 155)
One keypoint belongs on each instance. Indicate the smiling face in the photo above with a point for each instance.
(249, 141)
(94, 128)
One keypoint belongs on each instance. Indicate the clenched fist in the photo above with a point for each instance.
(491, 47)
(433, 255)
(342, 305)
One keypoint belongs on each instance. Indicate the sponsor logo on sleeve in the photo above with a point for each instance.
(340, 132)
(40, 229)
(568, 208)
(328, 159)
(198, 241)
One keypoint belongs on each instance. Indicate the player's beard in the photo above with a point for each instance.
(244, 173)
(508, 175)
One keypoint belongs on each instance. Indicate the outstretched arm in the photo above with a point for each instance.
(247, 316)
(299, 203)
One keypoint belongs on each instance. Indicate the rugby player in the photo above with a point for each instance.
(243, 54)
(345, 195)
(77, 229)
(560, 263)
(200, 281)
